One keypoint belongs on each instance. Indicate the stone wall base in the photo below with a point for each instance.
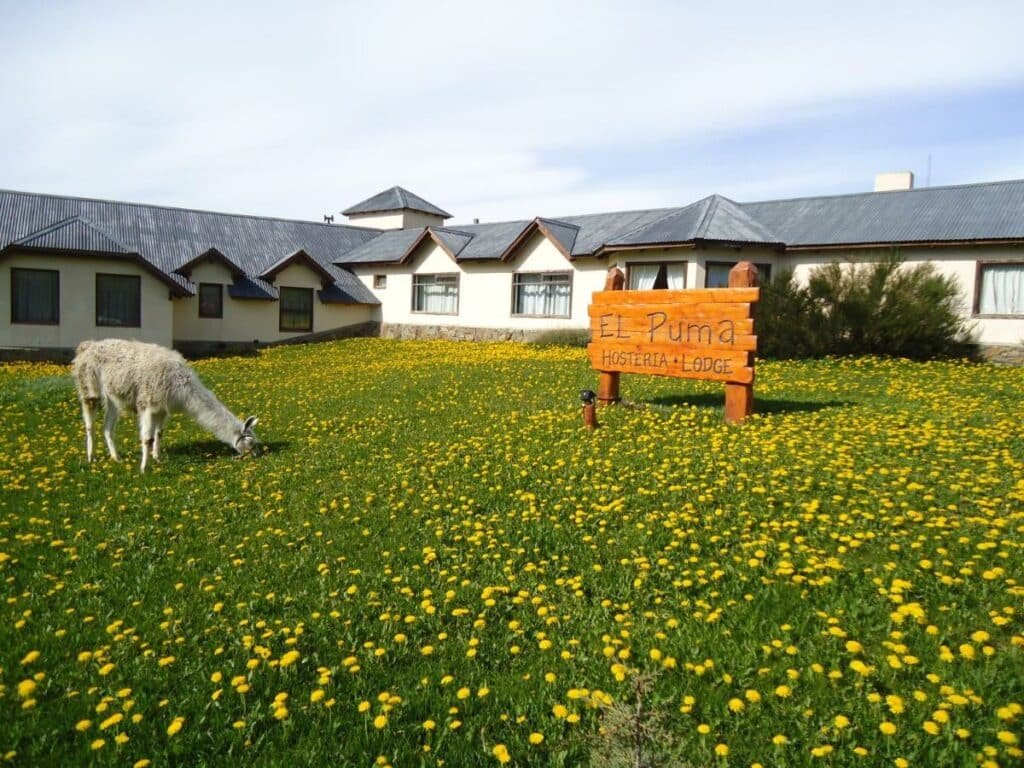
(461, 333)
(196, 349)
(1003, 354)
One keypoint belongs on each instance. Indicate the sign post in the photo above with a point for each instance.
(608, 381)
(695, 334)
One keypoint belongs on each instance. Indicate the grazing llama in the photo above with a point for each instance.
(155, 382)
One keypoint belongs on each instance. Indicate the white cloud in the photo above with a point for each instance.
(251, 108)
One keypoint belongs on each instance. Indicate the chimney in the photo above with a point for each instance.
(888, 182)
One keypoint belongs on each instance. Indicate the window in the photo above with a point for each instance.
(380, 281)
(35, 296)
(1000, 289)
(716, 273)
(656, 275)
(541, 294)
(211, 300)
(119, 301)
(296, 309)
(435, 294)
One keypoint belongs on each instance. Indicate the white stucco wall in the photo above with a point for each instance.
(959, 262)
(485, 288)
(247, 320)
(395, 220)
(78, 303)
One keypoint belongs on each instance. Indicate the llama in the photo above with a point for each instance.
(155, 382)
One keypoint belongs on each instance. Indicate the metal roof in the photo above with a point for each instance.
(169, 238)
(395, 199)
(988, 211)
(714, 218)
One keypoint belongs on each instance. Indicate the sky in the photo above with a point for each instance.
(499, 111)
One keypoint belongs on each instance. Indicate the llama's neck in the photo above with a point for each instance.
(211, 414)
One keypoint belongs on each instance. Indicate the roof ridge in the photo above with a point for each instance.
(189, 210)
(560, 222)
(81, 218)
(705, 220)
(453, 231)
(939, 187)
(671, 212)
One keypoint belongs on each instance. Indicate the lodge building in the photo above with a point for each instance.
(75, 268)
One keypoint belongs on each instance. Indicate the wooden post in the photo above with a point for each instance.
(739, 398)
(608, 382)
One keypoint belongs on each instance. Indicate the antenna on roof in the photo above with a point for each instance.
(328, 219)
(476, 221)
(928, 178)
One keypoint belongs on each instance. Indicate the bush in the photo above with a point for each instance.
(883, 308)
(562, 337)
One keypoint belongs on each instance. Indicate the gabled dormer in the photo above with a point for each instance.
(396, 208)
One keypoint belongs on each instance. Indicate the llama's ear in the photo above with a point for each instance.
(251, 422)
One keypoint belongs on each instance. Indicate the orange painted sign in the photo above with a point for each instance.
(691, 334)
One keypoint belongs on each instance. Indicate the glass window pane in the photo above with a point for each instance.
(119, 301)
(717, 275)
(211, 300)
(541, 295)
(296, 309)
(435, 294)
(35, 296)
(1002, 289)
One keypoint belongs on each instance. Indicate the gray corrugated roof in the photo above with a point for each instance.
(395, 199)
(454, 239)
(75, 234)
(989, 211)
(714, 218)
(388, 247)
(562, 231)
(168, 238)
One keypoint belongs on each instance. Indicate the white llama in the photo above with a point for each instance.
(155, 382)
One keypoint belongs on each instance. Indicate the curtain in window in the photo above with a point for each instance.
(642, 276)
(541, 295)
(35, 296)
(436, 294)
(676, 276)
(118, 301)
(296, 309)
(1002, 289)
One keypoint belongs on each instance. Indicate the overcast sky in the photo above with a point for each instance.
(503, 110)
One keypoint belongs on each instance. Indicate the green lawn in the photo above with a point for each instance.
(434, 561)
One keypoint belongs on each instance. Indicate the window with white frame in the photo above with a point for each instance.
(1001, 289)
(35, 296)
(435, 294)
(542, 294)
(648, 276)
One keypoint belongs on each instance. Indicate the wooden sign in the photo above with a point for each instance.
(693, 334)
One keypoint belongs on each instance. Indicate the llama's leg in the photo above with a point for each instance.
(88, 415)
(158, 431)
(146, 429)
(110, 415)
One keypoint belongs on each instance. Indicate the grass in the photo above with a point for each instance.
(435, 563)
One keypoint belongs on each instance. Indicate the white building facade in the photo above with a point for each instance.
(73, 269)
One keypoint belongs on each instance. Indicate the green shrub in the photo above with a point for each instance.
(881, 308)
(787, 322)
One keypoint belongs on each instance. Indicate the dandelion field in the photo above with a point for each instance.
(434, 564)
